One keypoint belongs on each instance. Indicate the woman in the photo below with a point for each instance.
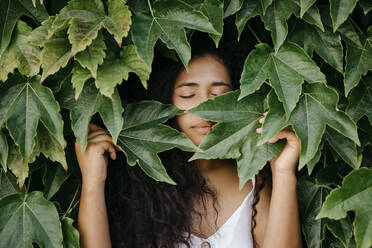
(206, 208)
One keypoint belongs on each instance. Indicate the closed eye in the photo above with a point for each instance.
(188, 96)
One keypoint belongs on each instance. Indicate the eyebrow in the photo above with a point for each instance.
(193, 84)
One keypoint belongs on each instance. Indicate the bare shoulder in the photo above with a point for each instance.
(262, 207)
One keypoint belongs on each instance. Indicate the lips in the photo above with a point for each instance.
(203, 127)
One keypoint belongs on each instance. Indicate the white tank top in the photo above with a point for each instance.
(234, 233)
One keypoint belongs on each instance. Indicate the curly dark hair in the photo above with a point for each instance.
(145, 213)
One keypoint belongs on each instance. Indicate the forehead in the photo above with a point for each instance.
(204, 69)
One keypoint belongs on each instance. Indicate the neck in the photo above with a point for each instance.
(217, 170)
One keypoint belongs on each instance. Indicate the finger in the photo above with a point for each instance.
(100, 138)
(106, 146)
(284, 134)
(96, 133)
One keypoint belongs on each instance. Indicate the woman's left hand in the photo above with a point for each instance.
(286, 160)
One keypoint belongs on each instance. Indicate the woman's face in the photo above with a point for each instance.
(207, 77)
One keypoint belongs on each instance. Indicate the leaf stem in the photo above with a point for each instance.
(69, 209)
(355, 25)
(28, 183)
(149, 4)
(254, 34)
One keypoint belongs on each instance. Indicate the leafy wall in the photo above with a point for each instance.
(62, 62)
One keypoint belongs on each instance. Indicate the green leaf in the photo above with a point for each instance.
(3, 150)
(360, 101)
(86, 18)
(70, 233)
(79, 76)
(358, 62)
(326, 44)
(50, 146)
(287, 70)
(354, 195)
(312, 15)
(56, 54)
(232, 7)
(213, 9)
(316, 109)
(133, 63)
(11, 11)
(91, 102)
(93, 55)
(54, 177)
(305, 5)
(366, 5)
(118, 20)
(40, 35)
(235, 135)
(30, 102)
(340, 10)
(27, 219)
(16, 165)
(20, 54)
(249, 10)
(344, 147)
(8, 184)
(114, 70)
(143, 136)
(275, 20)
(167, 21)
(311, 197)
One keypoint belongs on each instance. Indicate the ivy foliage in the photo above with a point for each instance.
(62, 65)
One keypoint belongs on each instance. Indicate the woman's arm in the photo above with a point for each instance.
(281, 227)
(92, 220)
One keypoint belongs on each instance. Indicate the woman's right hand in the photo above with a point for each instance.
(93, 163)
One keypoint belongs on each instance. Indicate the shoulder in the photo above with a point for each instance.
(262, 208)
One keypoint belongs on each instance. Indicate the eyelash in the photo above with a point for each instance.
(194, 95)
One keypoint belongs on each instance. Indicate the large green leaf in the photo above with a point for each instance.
(91, 102)
(360, 101)
(354, 195)
(114, 70)
(275, 20)
(40, 35)
(22, 104)
(312, 15)
(167, 21)
(358, 62)
(326, 44)
(143, 136)
(20, 54)
(340, 10)
(311, 197)
(93, 55)
(11, 11)
(79, 76)
(27, 219)
(315, 109)
(86, 18)
(287, 70)
(3, 150)
(235, 135)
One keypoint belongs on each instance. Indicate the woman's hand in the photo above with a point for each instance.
(93, 163)
(287, 159)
